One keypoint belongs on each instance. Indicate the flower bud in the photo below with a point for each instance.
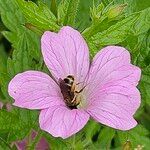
(115, 11)
(127, 145)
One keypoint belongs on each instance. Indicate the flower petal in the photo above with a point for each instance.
(65, 53)
(107, 117)
(112, 95)
(112, 64)
(61, 121)
(115, 105)
(34, 90)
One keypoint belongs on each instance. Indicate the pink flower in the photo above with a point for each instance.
(104, 89)
(23, 145)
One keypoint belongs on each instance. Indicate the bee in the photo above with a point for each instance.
(69, 92)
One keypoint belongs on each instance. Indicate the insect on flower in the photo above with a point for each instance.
(71, 96)
(104, 90)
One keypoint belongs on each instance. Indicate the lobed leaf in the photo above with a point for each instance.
(137, 136)
(38, 15)
(17, 125)
(67, 11)
(104, 141)
(118, 32)
(10, 14)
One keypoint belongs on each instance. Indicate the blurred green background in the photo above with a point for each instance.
(20, 51)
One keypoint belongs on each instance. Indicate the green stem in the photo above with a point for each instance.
(53, 7)
(74, 141)
(95, 27)
(33, 144)
(5, 143)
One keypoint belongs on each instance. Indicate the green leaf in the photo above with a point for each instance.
(104, 17)
(54, 7)
(91, 129)
(83, 15)
(10, 14)
(141, 4)
(105, 137)
(119, 32)
(10, 36)
(116, 33)
(141, 57)
(137, 136)
(142, 24)
(25, 52)
(4, 80)
(38, 15)
(59, 144)
(3, 59)
(17, 123)
(4, 145)
(134, 5)
(67, 11)
(9, 121)
(106, 2)
(6, 119)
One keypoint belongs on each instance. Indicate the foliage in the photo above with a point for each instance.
(38, 15)
(118, 22)
(67, 10)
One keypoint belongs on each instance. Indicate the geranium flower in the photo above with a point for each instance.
(105, 89)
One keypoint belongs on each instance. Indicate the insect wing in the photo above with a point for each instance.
(64, 90)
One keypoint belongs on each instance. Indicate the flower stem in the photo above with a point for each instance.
(7, 145)
(33, 144)
(73, 142)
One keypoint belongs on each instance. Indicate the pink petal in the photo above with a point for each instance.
(110, 117)
(34, 90)
(121, 94)
(61, 121)
(112, 95)
(65, 53)
(115, 105)
(112, 64)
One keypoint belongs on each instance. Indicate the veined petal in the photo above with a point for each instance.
(61, 121)
(121, 94)
(65, 53)
(110, 65)
(111, 91)
(34, 90)
(114, 105)
(108, 117)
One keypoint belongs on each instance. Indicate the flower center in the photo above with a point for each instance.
(71, 93)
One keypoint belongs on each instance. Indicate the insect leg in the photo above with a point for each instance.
(80, 90)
